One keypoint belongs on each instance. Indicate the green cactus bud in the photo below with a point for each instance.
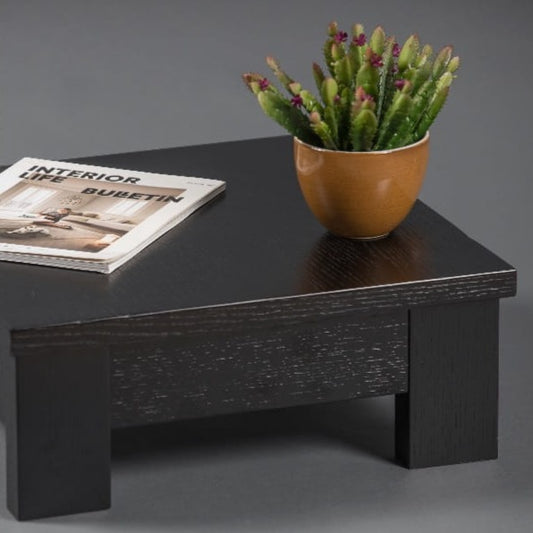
(318, 75)
(357, 30)
(315, 117)
(427, 50)
(333, 28)
(441, 61)
(397, 113)
(363, 130)
(421, 101)
(321, 129)
(251, 82)
(357, 49)
(343, 71)
(286, 115)
(402, 128)
(326, 50)
(444, 81)
(354, 55)
(283, 78)
(362, 101)
(257, 82)
(329, 90)
(295, 88)
(420, 61)
(454, 64)
(420, 75)
(408, 53)
(364, 123)
(377, 40)
(368, 76)
(252, 77)
(408, 73)
(337, 51)
(310, 103)
(432, 111)
(386, 78)
(330, 118)
(423, 57)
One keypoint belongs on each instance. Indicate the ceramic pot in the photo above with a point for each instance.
(361, 195)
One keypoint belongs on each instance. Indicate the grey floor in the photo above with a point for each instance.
(326, 468)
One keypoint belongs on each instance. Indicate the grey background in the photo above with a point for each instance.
(84, 78)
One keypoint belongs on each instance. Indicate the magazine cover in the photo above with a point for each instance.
(93, 213)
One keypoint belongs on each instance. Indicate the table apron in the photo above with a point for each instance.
(349, 356)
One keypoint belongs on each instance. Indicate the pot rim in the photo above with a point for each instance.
(424, 139)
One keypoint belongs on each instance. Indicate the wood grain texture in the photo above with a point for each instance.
(271, 312)
(238, 250)
(145, 341)
(58, 433)
(199, 363)
(198, 375)
(450, 414)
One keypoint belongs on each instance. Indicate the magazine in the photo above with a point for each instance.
(89, 217)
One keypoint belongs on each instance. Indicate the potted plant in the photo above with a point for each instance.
(361, 147)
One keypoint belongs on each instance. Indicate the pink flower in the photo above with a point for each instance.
(400, 84)
(360, 40)
(363, 96)
(297, 101)
(394, 69)
(341, 36)
(376, 60)
(396, 50)
(337, 98)
(264, 84)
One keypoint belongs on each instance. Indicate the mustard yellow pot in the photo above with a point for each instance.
(361, 195)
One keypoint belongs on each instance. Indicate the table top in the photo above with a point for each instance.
(257, 241)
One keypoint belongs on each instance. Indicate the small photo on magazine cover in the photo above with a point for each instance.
(77, 214)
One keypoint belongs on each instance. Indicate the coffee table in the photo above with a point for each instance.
(247, 305)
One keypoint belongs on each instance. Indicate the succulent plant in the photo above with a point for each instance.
(374, 94)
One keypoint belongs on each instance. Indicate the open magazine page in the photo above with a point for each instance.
(93, 213)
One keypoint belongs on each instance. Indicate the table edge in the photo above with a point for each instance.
(312, 306)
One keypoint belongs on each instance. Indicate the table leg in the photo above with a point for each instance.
(58, 432)
(450, 414)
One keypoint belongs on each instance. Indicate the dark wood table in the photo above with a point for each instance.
(247, 305)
